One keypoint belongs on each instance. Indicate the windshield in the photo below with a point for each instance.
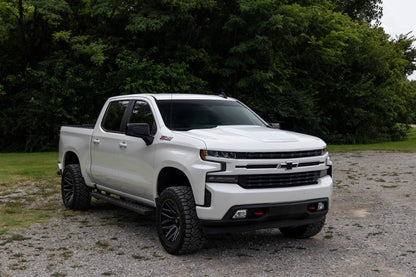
(183, 115)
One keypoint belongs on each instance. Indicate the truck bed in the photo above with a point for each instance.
(86, 126)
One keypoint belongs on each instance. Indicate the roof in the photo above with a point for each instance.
(184, 96)
(174, 96)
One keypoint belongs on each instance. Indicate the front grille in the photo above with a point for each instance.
(279, 155)
(279, 180)
(257, 166)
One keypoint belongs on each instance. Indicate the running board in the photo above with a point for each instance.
(140, 209)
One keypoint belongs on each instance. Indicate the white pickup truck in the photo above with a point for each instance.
(201, 164)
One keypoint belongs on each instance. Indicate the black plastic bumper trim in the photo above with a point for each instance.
(252, 226)
(273, 216)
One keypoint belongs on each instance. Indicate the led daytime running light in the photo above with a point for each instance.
(218, 154)
(222, 179)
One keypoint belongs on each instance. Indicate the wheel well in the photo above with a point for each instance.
(170, 177)
(71, 158)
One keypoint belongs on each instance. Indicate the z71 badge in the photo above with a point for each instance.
(166, 138)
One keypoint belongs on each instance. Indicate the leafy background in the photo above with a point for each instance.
(316, 66)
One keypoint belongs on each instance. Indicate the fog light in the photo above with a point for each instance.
(321, 206)
(311, 207)
(240, 214)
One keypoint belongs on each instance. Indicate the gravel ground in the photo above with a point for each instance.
(370, 231)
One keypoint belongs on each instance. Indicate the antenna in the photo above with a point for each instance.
(170, 108)
(223, 95)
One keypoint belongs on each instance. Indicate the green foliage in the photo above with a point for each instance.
(309, 64)
(50, 11)
(364, 11)
(141, 74)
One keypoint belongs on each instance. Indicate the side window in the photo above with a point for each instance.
(114, 116)
(143, 114)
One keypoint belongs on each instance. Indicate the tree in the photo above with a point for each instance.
(364, 11)
(302, 63)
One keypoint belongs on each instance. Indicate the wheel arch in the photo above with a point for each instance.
(70, 157)
(171, 176)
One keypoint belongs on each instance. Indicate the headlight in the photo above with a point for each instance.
(205, 154)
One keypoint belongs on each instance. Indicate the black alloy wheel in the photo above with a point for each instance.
(177, 224)
(76, 195)
(68, 189)
(170, 221)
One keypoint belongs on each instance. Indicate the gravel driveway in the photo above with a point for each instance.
(370, 231)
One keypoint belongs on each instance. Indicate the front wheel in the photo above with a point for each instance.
(304, 231)
(177, 223)
(75, 194)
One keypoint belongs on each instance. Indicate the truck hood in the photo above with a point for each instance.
(254, 138)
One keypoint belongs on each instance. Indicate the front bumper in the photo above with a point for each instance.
(268, 216)
(226, 196)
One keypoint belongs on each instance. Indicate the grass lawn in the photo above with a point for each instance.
(408, 145)
(29, 189)
(16, 167)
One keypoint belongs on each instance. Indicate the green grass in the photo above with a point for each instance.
(408, 145)
(29, 189)
(28, 166)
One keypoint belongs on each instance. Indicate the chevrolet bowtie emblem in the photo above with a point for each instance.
(287, 165)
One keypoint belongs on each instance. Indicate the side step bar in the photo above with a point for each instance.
(140, 209)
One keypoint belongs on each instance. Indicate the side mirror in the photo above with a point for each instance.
(274, 125)
(140, 130)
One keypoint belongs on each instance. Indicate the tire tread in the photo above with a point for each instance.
(193, 237)
(82, 193)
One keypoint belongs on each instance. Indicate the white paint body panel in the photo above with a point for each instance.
(132, 171)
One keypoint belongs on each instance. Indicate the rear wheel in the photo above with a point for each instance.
(75, 194)
(304, 231)
(177, 223)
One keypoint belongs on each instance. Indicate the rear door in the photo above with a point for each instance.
(105, 145)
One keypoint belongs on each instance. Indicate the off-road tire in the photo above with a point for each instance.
(75, 194)
(304, 231)
(177, 224)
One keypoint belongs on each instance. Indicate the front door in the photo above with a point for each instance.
(136, 160)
